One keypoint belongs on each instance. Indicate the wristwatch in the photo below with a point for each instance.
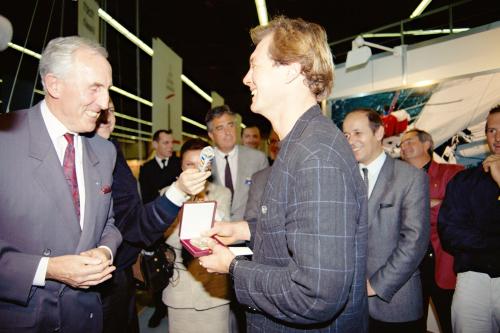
(234, 262)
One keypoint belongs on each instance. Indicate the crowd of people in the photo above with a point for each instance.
(345, 238)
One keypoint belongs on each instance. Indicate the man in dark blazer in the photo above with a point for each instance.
(140, 225)
(162, 170)
(308, 269)
(57, 237)
(398, 226)
(469, 227)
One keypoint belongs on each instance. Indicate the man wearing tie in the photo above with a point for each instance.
(234, 164)
(398, 226)
(57, 237)
(162, 170)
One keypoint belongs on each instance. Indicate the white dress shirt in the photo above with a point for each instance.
(373, 171)
(220, 162)
(160, 163)
(56, 132)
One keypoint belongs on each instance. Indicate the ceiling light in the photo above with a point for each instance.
(262, 11)
(130, 36)
(420, 8)
(415, 33)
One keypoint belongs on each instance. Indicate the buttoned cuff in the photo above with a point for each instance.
(41, 272)
(176, 196)
(109, 250)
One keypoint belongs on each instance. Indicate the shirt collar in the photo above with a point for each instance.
(231, 154)
(54, 126)
(159, 160)
(376, 165)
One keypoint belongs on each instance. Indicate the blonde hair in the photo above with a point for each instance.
(295, 40)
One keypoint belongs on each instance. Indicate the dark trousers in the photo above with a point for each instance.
(441, 298)
(160, 307)
(118, 301)
(376, 326)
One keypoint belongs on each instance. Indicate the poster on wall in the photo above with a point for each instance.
(453, 111)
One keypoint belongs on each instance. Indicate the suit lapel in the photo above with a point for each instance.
(93, 185)
(215, 175)
(242, 163)
(49, 174)
(382, 186)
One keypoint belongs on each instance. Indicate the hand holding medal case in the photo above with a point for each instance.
(198, 216)
(194, 218)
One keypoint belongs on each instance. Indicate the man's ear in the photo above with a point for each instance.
(293, 71)
(211, 136)
(155, 145)
(53, 85)
(427, 145)
(379, 133)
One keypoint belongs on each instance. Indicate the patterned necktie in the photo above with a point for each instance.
(365, 179)
(228, 180)
(70, 172)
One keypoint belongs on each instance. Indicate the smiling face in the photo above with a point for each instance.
(366, 144)
(493, 132)
(251, 137)
(266, 79)
(82, 93)
(412, 148)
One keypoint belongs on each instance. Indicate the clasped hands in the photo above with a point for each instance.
(87, 269)
(227, 233)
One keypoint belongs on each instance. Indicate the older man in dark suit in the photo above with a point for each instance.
(57, 237)
(398, 226)
(308, 268)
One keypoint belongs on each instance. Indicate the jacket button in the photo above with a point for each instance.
(46, 252)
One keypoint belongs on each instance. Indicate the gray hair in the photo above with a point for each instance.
(57, 57)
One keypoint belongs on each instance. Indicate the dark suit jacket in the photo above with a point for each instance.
(309, 263)
(398, 237)
(37, 218)
(153, 178)
(140, 224)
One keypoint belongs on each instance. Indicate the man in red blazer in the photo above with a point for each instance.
(438, 278)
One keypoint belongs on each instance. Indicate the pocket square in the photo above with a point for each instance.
(385, 205)
(106, 189)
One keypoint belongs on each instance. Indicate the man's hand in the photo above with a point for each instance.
(219, 260)
(100, 253)
(369, 289)
(79, 271)
(191, 181)
(492, 165)
(229, 232)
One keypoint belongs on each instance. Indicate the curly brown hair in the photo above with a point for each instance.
(295, 40)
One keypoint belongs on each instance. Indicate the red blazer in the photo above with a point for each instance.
(439, 176)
